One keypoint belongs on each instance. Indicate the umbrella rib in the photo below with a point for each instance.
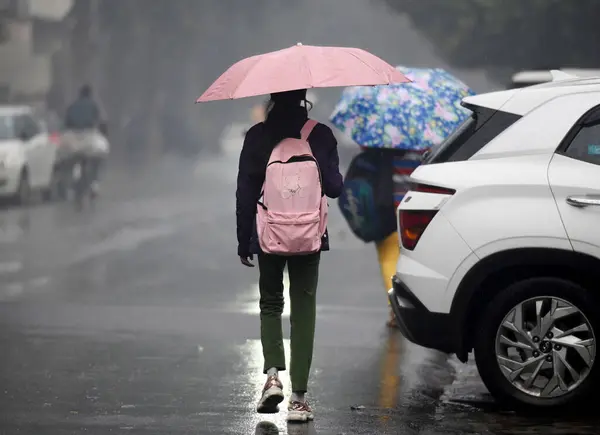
(310, 76)
(361, 60)
(232, 97)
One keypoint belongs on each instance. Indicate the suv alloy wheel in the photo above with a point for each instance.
(536, 344)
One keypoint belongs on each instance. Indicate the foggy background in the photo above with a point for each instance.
(149, 59)
(135, 315)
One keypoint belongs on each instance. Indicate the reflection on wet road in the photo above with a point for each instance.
(136, 317)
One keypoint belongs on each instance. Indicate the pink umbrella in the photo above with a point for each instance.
(302, 67)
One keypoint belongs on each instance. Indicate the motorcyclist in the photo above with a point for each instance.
(84, 112)
(86, 133)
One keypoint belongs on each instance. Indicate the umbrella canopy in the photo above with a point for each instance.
(301, 67)
(415, 116)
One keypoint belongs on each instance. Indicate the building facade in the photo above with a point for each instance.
(30, 33)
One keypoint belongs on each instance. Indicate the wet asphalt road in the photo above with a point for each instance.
(136, 317)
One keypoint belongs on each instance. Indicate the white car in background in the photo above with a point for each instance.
(500, 239)
(26, 154)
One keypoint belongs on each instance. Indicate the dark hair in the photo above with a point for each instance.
(285, 116)
(288, 100)
(85, 91)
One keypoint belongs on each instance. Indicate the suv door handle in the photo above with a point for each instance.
(583, 201)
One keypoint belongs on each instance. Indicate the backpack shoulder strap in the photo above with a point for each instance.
(308, 128)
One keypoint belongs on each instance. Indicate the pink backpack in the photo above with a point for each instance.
(292, 211)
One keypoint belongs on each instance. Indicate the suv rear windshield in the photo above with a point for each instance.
(476, 132)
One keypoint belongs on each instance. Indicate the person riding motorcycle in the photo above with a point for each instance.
(85, 134)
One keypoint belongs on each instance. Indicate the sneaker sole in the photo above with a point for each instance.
(269, 401)
(300, 416)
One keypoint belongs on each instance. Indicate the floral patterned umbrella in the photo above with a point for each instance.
(410, 116)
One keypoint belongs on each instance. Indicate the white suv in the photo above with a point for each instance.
(500, 239)
(27, 153)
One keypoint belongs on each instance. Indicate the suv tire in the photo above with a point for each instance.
(525, 297)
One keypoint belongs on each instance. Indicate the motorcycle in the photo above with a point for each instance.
(87, 150)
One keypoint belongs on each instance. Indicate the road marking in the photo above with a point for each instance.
(10, 233)
(39, 282)
(127, 239)
(12, 291)
(15, 290)
(10, 267)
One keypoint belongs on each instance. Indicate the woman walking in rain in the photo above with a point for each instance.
(288, 167)
(268, 182)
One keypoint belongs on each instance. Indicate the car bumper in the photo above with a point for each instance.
(418, 324)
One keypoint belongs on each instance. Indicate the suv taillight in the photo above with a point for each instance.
(426, 188)
(412, 224)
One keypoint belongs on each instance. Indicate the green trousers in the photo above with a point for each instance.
(304, 276)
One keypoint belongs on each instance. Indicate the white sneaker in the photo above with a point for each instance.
(300, 411)
(272, 396)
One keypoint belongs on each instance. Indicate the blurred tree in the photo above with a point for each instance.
(516, 34)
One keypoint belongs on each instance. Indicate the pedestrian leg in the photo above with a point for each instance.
(388, 251)
(304, 278)
(271, 334)
(271, 308)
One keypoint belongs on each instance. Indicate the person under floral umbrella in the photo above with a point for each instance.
(395, 126)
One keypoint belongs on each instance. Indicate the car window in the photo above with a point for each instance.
(475, 133)
(31, 126)
(26, 125)
(586, 143)
(19, 125)
(7, 130)
(433, 153)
